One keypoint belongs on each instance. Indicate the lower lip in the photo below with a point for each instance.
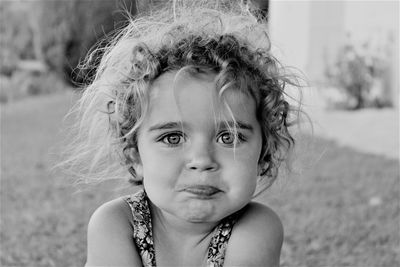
(202, 192)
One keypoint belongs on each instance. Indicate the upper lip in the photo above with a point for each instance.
(204, 190)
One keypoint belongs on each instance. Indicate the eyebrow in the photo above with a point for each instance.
(165, 126)
(221, 125)
(238, 124)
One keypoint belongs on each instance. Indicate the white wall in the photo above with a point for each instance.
(307, 34)
(289, 31)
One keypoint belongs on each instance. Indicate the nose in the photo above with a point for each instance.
(202, 158)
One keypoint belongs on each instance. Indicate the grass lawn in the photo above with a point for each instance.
(339, 207)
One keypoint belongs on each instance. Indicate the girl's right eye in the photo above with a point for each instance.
(172, 139)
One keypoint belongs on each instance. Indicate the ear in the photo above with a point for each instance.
(133, 156)
(138, 168)
(262, 168)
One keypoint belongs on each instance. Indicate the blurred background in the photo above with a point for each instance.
(340, 204)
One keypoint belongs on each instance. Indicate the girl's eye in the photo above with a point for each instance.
(228, 138)
(172, 139)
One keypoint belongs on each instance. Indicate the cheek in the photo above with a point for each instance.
(243, 167)
(159, 165)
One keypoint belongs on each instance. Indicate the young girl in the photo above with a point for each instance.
(190, 104)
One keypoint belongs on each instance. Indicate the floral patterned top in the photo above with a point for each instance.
(143, 234)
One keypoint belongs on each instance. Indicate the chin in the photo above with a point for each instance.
(197, 211)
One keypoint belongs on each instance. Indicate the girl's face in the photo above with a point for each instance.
(193, 167)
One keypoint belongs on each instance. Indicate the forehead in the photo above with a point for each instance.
(185, 96)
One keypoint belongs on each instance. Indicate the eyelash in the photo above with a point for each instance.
(165, 137)
(239, 138)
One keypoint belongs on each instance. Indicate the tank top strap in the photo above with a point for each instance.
(219, 241)
(142, 227)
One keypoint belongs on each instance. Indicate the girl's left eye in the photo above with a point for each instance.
(229, 138)
(172, 139)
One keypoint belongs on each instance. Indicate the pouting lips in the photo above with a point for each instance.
(202, 190)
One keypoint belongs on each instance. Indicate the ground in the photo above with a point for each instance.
(339, 206)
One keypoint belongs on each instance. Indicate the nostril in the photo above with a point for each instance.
(202, 165)
(211, 168)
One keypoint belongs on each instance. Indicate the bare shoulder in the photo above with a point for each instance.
(109, 236)
(256, 238)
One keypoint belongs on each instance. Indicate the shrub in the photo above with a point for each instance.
(359, 72)
(56, 32)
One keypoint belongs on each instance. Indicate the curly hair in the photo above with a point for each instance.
(230, 41)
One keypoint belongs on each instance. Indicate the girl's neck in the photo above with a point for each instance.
(178, 242)
(178, 227)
